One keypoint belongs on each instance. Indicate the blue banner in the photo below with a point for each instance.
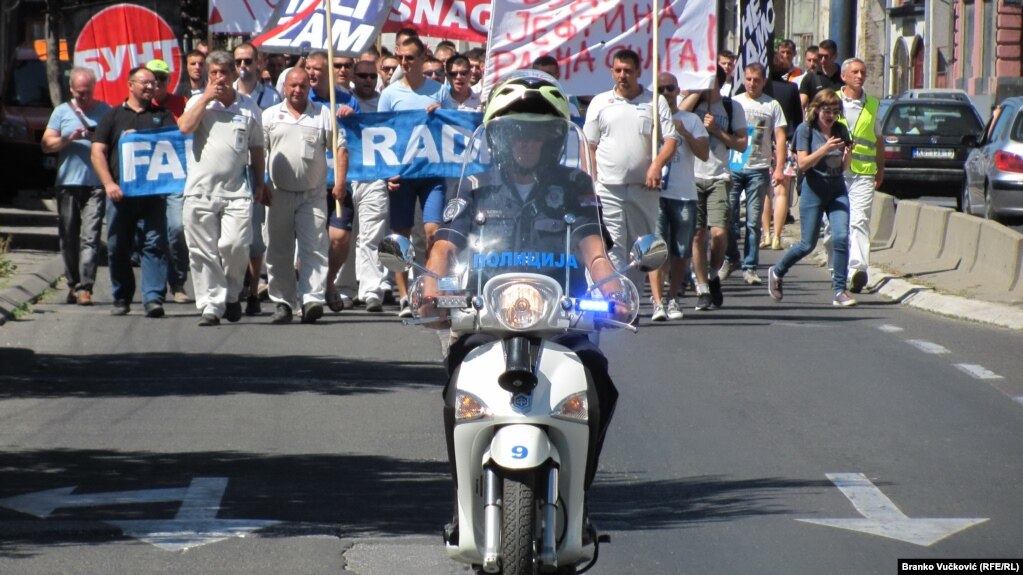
(154, 162)
(410, 144)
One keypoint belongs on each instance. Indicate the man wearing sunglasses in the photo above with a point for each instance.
(250, 82)
(371, 204)
(458, 81)
(414, 91)
(829, 77)
(388, 64)
(343, 67)
(434, 69)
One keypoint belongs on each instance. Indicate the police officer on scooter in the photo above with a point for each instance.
(515, 213)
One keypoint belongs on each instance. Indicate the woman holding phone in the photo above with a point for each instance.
(823, 152)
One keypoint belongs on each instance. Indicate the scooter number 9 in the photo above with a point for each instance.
(520, 452)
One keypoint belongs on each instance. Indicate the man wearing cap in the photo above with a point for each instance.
(177, 249)
(220, 187)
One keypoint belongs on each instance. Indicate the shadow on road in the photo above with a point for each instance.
(27, 374)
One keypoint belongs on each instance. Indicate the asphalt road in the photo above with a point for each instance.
(156, 444)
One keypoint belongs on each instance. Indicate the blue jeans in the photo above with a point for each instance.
(755, 183)
(123, 218)
(676, 224)
(820, 196)
(177, 249)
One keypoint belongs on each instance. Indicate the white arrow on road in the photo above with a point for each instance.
(194, 524)
(882, 517)
(44, 503)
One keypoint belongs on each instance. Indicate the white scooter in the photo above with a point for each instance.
(523, 410)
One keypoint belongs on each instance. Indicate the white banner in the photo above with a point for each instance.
(240, 16)
(299, 26)
(583, 36)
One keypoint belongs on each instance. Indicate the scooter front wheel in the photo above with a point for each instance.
(518, 524)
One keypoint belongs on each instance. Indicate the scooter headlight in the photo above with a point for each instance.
(573, 408)
(520, 305)
(469, 407)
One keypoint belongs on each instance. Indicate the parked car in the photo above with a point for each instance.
(993, 185)
(936, 94)
(926, 146)
(24, 111)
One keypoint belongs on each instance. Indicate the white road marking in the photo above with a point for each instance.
(194, 524)
(977, 371)
(927, 346)
(888, 328)
(1019, 398)
(883, 518)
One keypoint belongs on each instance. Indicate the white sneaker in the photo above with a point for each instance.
(675, 309)
(751, 278)
(726, 270)
(405, 310)
(346, 301)
(659, 313)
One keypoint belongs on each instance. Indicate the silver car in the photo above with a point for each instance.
(993, 185)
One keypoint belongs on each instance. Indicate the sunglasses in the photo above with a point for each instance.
(434, 73)
(342, 65)
(246, 61)
(406, 57)
(161, 79)
(663, 89)
(831, 111)
(458, 73)
(388, 69)
(366, 75)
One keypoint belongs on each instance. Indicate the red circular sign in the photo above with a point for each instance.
(120, 38)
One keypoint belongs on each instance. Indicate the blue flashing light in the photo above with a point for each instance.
(597, 305)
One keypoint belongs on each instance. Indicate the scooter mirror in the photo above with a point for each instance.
(649, 253)
(396, 253)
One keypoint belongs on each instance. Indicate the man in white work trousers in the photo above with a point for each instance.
(866, 172)
(298, 133)
(220, 187)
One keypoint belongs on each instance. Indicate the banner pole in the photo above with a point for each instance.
(655, 106)
(333, 95)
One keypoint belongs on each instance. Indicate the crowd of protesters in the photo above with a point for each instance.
(258, 221)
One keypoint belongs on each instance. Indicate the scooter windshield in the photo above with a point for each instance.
(526, 204)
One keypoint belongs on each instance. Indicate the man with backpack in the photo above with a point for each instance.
(725, 122)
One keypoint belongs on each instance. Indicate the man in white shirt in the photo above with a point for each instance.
(618, 126)
(298, 133)
(250, 82)
(371, 203)
(677, 220)
(219, 189)
(752, 170)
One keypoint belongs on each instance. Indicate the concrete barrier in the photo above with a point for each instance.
(882, 221)
(907, 214)
(999, 251)
(961, 238)
(923, 255)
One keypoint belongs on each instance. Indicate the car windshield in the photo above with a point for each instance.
(932, 120)
(28, 86)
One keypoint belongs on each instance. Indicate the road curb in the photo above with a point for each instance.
(29, 286)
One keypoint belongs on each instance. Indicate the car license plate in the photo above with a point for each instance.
(935, 153)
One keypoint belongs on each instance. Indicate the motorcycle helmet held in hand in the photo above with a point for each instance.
(527, 104)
